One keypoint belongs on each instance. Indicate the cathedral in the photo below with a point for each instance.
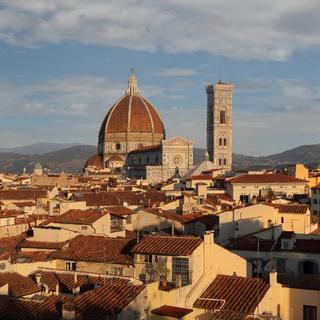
(132, 138)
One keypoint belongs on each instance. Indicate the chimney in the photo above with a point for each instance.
(273, 278)
(68, 311)
(208, 237)
(178, 281)
(38, 277)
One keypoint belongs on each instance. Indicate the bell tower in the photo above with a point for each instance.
(219, 124)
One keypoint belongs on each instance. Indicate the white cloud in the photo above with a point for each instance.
(176, 72)
(246, 29)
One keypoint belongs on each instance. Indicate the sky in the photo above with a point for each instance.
(63, 63)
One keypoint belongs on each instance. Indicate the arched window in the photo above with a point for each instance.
(225, 141)
(220, 141)
(222, 116)
(220, 162)
(282, 220)
(225, 161)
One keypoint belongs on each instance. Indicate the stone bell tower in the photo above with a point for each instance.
(219, 124)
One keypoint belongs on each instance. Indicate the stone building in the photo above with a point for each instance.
(132, 141)
(131, 123)
(173, 157)
(219, 124)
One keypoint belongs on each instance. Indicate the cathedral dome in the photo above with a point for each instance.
(132, 113)
(131, 123)
(94, 161)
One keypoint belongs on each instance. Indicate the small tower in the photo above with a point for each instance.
(132, 84)
(37, 171)
(219, 124)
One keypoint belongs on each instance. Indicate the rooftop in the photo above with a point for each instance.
(171, 311)
(76, 216)
(168, 245)
(97, 249)
(265, 178)
(19, 285)
(234, 297)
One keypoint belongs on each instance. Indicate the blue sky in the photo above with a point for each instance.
(64, 63)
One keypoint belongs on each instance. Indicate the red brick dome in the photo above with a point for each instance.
(94, 161)
(132, 113)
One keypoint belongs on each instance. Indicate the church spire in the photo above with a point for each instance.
(132, 84)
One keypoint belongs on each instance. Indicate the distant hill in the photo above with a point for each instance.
(37, 148)
(72, 158)
(307, 154)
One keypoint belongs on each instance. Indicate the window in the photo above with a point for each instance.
(315, 201)
(225, 161)
(148, 159)
(225, 141)
(181, 266)
(309, 312)
(222, 116)
(309, 267)
(147, 258)
(220, 162)
(71, 265)
(116, 224)
(118, 146)
(281, 265)
(118, 271)
(282, 219)
(220, 141)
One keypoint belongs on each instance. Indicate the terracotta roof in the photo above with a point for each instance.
(18, 285)
(8, 245)
(132, 113)
(120, 210)
(66, 281)
(265, 178)
(109, 299)
(97, 249)
(24, 204)
(94, 161)
(168, 245)
(76, 216)
(200, 177)
(31, 257)
(28, 194)
(167, 214)
(171, 311)
(116, 198)
(293, 208)
(239, 296)
(156, 147)
(42, 245)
